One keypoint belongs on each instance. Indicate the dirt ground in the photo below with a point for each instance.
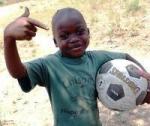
(33, 109)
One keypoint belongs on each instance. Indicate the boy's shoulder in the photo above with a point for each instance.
(103, 52)
(106, 54)
(50, 57)
(97, 52)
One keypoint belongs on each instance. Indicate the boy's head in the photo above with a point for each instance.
(70, 32)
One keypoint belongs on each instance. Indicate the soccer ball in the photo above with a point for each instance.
(119, 85)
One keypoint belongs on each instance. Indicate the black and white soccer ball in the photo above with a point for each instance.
(119, 85)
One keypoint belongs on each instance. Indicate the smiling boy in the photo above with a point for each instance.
(69, 74)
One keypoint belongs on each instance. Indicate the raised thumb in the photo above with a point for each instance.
(26, 12)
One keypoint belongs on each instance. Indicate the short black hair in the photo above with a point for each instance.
(65, 12)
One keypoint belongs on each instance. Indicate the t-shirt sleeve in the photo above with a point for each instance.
(115, 55)
(36, 74)
(101, 57)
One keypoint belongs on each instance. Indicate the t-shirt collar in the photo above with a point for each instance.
(69, 60)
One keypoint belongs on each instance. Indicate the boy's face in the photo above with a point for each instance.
(71, 35)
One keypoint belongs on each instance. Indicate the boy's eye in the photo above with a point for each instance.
(63, 36)
(80, 32)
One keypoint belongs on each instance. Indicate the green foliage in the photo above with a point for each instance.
(1, 2)
(133, 5)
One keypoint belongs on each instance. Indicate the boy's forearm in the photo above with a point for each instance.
(128, 57)
(13, 62)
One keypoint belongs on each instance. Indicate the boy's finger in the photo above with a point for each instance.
(38, 24)
(30, 33)
(31, 27)
(144, 74)
(26, 12)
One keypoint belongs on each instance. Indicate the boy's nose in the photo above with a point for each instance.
(73, 39)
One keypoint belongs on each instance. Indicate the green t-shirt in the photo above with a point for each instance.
(70, 83)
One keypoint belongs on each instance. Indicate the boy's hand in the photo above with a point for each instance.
(144, 74)
(23, 28)
(147, 76)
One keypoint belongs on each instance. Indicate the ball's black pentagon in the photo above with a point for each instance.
(115, 92)
(105, 68)
(141, 97)
(133, 71)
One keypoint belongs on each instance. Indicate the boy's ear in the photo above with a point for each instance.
(55, 42)
(88, 31)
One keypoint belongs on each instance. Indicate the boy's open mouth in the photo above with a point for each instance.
(76, 47)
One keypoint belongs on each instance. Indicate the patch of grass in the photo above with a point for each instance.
(133, 5)
(1, 2)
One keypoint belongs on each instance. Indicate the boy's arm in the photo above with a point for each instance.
(23, 28)
(13, 62)
(147, 76)
(128, 57)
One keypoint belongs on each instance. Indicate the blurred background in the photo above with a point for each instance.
(115, 25)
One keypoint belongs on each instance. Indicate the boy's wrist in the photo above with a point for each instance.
(148, 87)
(7, 34)
(8, 37)
(9, 42)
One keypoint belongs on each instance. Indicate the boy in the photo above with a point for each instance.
(69, 74)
